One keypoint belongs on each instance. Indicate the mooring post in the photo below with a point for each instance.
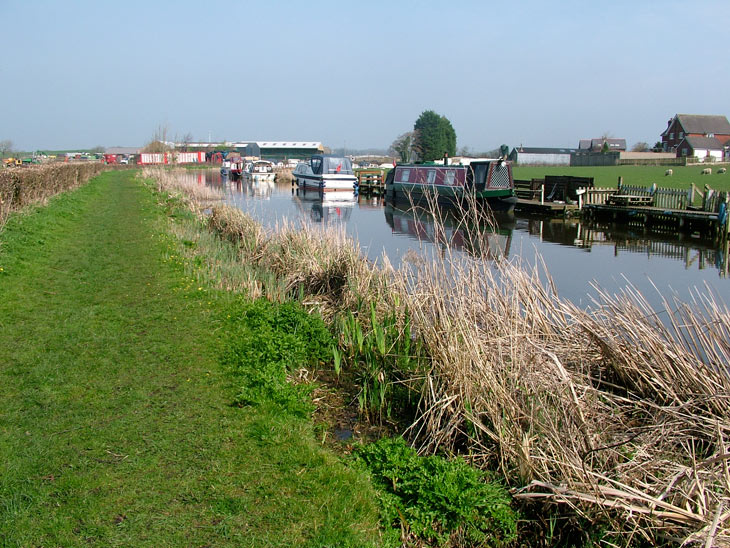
(620, 182)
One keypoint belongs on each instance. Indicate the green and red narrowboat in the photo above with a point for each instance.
(488, 181)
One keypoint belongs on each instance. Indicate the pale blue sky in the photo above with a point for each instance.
(79, 74)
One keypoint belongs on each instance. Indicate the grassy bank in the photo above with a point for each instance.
(607, 176)
(609, 425)
(118, 423)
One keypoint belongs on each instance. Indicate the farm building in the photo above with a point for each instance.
(541, 156)
(270, 150)
(694, 125)
(703, 148)
(599, 144)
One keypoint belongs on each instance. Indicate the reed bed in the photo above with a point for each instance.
(186, 185)
(23, 186)
(619, 414)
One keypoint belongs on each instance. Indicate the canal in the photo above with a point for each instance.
(576, 255)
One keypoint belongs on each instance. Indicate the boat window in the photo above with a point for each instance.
(404, 175)
(337, 165)
(449, 177)
(431, 177)
(317, 165)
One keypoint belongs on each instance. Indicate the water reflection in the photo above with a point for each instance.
(454, 230)
(576, 255)
(692, 252)
(325, 208)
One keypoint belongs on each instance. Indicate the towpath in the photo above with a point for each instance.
(115, 427)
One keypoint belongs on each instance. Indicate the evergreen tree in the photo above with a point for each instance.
(434, 136)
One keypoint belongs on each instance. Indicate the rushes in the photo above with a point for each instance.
(186, 185)
(620, 414)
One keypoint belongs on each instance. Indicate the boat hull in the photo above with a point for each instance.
(498, 200)
(327, 183)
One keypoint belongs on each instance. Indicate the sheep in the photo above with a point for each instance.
(721, 171)
(668, 173)
(707, 171)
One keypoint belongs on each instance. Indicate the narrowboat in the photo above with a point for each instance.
(489, 181)
(235, 169)
(326, 172)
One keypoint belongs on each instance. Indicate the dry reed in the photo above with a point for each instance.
(621, 413)
(186, 185)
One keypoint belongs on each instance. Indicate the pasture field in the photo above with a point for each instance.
(607, 176)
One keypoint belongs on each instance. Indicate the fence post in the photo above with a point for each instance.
(620, 183)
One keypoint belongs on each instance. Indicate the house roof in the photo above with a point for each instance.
(544, 150)
(702, 123)
(588, 144)
(709, 143)
(612, 143)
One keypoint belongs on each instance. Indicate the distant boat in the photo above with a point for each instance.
(326, 172)
(487, 181)
(260, 171)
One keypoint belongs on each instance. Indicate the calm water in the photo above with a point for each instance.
(576, 255)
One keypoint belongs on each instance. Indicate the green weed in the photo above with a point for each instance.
(267, 341)
(443, 502)
(381, 356)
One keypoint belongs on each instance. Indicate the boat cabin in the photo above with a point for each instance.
(325, 164)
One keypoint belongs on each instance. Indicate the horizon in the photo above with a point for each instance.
(350, 77)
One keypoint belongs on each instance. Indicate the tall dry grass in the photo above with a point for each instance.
(188, 186)
(23, 186)
(620, 414)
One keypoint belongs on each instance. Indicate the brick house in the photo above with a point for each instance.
(708, 149)
(683, 126)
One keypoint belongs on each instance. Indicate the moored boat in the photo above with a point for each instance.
(260, 170)
(487, 181)
(326, 172)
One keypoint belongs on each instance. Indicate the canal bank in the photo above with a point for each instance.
(589, 411)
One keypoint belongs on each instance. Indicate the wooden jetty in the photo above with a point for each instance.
(555, 195)
(650, 209)
(371, 181)
(660, 210)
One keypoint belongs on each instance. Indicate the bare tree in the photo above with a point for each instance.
(641, 146)
(403, 146)
(158, 143)
(186, 140)
(6, 147)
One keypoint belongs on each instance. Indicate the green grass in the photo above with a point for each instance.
(116, 427)
(607, 176)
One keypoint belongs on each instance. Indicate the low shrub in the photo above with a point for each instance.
(440, 501)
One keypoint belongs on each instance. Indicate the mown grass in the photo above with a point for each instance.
(607, 176)
(116, 423)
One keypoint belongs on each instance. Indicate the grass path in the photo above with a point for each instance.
(115, 428)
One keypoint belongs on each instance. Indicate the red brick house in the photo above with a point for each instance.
(694, 125)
